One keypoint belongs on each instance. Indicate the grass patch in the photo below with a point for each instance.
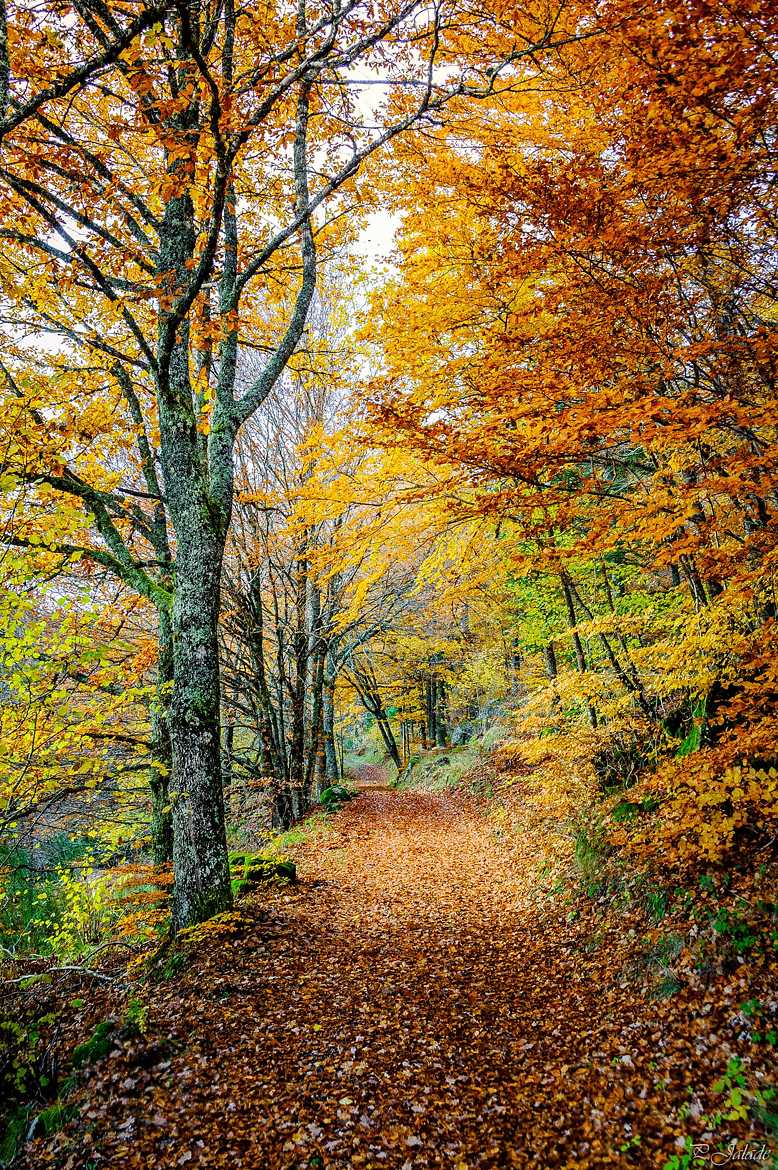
(316, 827)
(439, 769)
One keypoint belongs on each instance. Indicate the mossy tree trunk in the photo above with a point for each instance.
(202, 877)
(198, 480)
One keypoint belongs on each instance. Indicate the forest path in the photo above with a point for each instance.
(404, 1006)
(370, 776)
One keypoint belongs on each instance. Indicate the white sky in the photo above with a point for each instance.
(376, 240)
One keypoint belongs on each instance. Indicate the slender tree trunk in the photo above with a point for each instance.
(331, 770)
(314, 764)
(267, 724)
(300, 648)
(370, 697)
(627, 676)
(406, 740)
(228, 739)
(580, 657)
(432, 731)
(441, 719)
(387, 735)
(288, 798)
(423, 697)
(159, 779)
(315, 756)
(694, 581)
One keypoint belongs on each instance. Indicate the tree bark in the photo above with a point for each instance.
(198, 479)
(441, 720)
(432, 731)
(159, 779)
(387, 735)
(314, 763)
(423, 723)
(331, 769)
(291, 804)
(202, 879)
(267, 724)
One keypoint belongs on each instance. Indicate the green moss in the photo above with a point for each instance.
(252, 869)
(164, 963)
(333, 797)
(96, 1047)
(12, 1132)
(51, 1120)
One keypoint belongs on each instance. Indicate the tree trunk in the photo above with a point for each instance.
(198, 476)
(441, 720)
(159, 778)
(202, 878)
(331, 770)
(228, 737)
(314, 764)
(387, 735)
(431, 713)
(370, 698)
(407, 728)
(300, 648)
(423, 722)
(267, 724)
(580, 657)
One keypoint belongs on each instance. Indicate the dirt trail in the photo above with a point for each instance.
(372, 776)
(403, 1007)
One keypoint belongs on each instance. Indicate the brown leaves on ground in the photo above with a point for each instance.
(410, 1004)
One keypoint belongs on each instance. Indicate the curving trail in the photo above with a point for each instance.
(403, 1007)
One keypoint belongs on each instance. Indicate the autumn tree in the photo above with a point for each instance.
(74, 744)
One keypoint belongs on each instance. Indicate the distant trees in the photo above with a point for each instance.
(299, 604)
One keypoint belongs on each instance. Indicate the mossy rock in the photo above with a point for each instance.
(96, 1047)
(255, 869)
(334, 796)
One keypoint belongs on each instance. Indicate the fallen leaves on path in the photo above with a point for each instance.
(409, 1004)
